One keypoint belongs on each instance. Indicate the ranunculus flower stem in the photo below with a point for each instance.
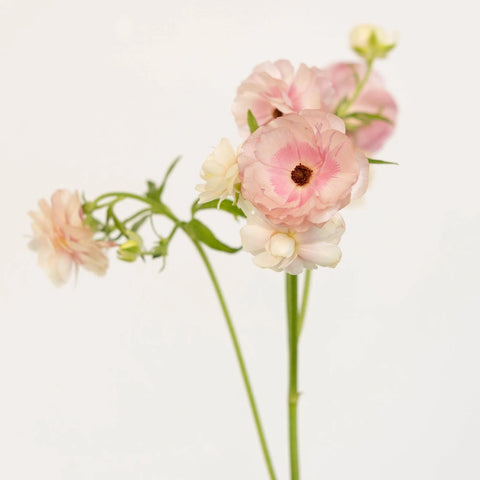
(159, 207)
(241, 362)
(292, 315)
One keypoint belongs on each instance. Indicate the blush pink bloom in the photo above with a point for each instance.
(301, 169)
(274, 89)
(285, 250)
(374, 98)
(63, 241)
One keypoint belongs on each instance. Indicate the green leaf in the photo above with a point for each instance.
(226, 205)
(252, 121)
(381, 162)
(167, 174)
(152, 191)
(160, 250)
(201, 232)
(367, 118)
(155, 192)
(139, 223)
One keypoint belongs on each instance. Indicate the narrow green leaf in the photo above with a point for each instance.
(139, 223)
(226, 205)
(252, 121)
(381, 162)
(201, 232)
(365, 117)
(167, 174)
(155, 192)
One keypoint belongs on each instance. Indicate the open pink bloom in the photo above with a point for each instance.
(282, 249)
(61, 239)
(274, 89)
(301, 169)
(373, 99)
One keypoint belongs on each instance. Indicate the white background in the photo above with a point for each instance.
(133, 376)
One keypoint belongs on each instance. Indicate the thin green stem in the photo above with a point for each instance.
(241, 362)
(303, 310)
(292, 314)
(160, 208)
(344, 108)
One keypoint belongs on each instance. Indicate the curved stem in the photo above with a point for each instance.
(241, 362)
(303, 310)
(292, 313)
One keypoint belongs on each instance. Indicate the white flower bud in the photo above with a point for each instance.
(371, 42)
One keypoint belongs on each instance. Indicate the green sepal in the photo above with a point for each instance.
(252, 121)
(199, 231)
(91, 222)
(226, 205)
(381, 162)
(160, 250)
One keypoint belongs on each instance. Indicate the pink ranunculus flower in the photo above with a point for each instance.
(274, 89)
(63, 241)
(301, 169)
(282, 249)
(374, 98)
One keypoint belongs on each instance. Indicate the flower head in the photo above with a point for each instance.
(220, 172)
(275, 89)
(63, 241)
(373, 99)
(301, 169)
(282, 249)
(370, 41)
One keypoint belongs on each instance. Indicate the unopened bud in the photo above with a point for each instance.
(131, 249)
(371, 42)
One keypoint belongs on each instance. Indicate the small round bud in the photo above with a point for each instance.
(371, 42)
(88, 207)
(130, 250)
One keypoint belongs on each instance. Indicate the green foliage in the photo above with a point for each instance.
(154, 192)
(160, 250)
(252, 122)
(381, 162)
(199, 231)
(226, 205)
(367, 118)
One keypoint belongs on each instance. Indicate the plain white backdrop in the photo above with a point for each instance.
(132, 376)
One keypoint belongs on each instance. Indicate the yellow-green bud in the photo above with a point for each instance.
(371, 42)
(131, 249)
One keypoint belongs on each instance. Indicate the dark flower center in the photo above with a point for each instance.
(301, 174)
(277, 113)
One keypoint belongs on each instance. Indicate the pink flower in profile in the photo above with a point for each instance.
(274, 89)
(63, 241)
(301, 169)
(374, 98)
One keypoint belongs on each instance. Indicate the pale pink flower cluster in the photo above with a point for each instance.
(274, 89)
(61, 239)
(301, 166)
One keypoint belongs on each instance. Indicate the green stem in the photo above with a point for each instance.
(344, 109)
(292, 314)
(159, 207)
(241, 362)
(306, 291)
